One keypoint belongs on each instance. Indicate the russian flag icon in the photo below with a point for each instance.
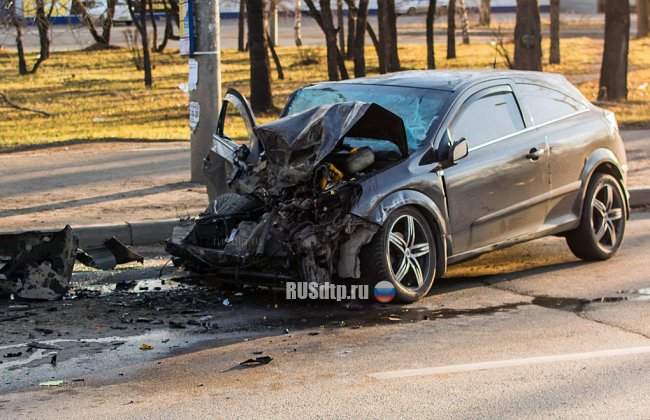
(384, 291)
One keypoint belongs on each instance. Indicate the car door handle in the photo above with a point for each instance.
(534, 153)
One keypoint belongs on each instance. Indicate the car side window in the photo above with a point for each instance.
(545, 104)
(487, 117)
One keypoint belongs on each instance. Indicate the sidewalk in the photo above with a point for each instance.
(97, 183)
(129, 182)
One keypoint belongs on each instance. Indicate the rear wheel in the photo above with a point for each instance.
(602, 224)
(403, 253)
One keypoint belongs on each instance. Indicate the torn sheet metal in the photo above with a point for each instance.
(107, 257)
(38, 264)
(297, 144)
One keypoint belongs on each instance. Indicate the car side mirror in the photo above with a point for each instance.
(458, 150)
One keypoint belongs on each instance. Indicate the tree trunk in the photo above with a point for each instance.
(387, 19)
(108, 23)
(368, 28)
(464, 21)
(359, 42)
(141, 26)
(43, 24)
(352, 29)
(554, 57)
(241, 27)
(154, 26)
(169, 28)
(451, 29)
(330, 40)
(431, 16)
(88, 21)
(341, 25)
(613, 73)
(19, 24)
(298, 23)
(260, 73)
(528, 36)
(273, 21)
(642, 18)
(276, 59)
(485, 13)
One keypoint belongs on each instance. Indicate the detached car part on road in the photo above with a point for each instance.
(395, 177)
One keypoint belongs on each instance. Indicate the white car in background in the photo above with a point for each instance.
(98, 10)
(413, 7)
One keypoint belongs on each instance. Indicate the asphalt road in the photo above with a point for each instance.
(525, 332)
(410, 31)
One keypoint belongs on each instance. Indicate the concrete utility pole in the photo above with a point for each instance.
(207, 52)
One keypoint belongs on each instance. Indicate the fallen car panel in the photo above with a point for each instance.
(39, 264)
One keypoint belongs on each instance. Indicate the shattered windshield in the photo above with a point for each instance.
(419, 108)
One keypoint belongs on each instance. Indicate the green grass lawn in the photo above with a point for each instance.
(100, 95)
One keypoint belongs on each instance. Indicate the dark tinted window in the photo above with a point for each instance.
(544, 104)
(487, 118)
(419, 108)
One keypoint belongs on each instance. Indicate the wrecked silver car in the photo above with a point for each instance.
(391, 178)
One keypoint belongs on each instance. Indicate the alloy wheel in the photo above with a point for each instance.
(408, 254)
(607, 217)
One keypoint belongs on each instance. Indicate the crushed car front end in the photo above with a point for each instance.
(294, 186)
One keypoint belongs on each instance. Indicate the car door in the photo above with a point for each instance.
(562, 117)
(499, 191)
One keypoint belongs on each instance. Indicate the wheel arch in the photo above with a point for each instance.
(428, 208)
(602, 161)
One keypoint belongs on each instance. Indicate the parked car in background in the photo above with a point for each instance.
(98, 9)
(393, 178)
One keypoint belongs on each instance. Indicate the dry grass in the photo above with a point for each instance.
(99, 95)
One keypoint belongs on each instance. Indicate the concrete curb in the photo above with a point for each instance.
(639, 197)
(136, 233)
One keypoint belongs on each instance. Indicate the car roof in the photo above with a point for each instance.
(451, 80)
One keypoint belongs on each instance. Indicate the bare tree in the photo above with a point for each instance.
(613, 72)
(641, 18)
(368, 26)
(101, 41)
(451, 29)
(43, 24)
(260, 73)
(140, 21)
(485, 13)
(241, 27)
(528, 36)
(324, 18)
(352, 28)
(341, 26)
(387, 18)
(169, 26)
(154, 26)
(464, 21)
(298, 23)
(431, 16)
(554, 57)
(359, 42)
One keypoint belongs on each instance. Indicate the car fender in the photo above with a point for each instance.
(596, 158)
(401, 198)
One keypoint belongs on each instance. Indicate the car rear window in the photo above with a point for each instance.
(545, 104)
(419, 108)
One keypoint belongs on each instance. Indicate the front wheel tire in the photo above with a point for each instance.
(602, 224)
(403, 253)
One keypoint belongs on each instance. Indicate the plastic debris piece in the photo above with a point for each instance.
(145, 346)
(51, 383)
(258, 361)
